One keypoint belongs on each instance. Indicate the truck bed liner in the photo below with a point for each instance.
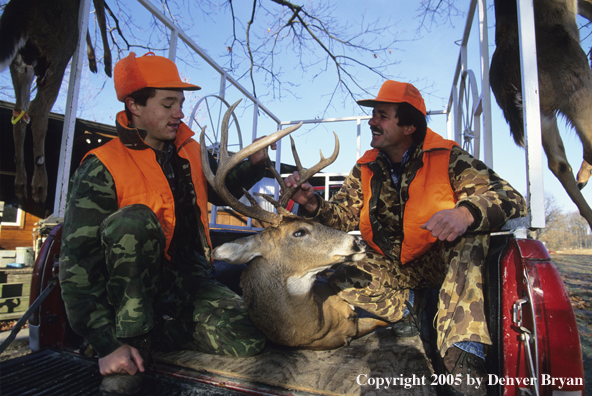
(276, 371)
(335, 372)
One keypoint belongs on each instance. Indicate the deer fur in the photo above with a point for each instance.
(279, 287)
(38, 38)
(565, 85)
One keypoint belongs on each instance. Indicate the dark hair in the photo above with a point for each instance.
(409, 115)
(141, 97)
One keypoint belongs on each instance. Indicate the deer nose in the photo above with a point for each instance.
(360, 243)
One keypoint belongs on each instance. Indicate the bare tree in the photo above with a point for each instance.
(552, 215)
(564, 230)
(320, 44)
(434, 12)
(578, 230)
(556, 235)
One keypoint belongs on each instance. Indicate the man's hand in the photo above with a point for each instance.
(259, 156)
(304, 196)
(125, 359)
(449, 224)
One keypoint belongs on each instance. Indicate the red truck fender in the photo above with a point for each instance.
(539, 343)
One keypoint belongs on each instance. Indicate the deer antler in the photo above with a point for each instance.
(305, 174)
(226, 163)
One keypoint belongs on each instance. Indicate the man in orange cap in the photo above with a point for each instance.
(136, 245)
(425, 207)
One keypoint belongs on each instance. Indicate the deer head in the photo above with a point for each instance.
(278, 284)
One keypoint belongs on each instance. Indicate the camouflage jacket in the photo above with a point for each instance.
(491, 200)
(91, 199)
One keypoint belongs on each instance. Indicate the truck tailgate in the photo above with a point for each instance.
(59, 373)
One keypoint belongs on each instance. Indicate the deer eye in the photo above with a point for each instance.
(299, 233)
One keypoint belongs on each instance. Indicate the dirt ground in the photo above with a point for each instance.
(19, 347)
(576, 270)
(16, 349)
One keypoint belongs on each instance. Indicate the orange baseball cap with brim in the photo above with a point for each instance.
(397, 92)
(131, 74)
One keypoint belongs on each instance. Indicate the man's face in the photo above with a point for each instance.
(160, 117)
(386, 133)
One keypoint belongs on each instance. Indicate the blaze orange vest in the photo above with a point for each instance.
(429, 192)
(139, 178)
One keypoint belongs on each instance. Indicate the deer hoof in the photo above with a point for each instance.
(20, 184)
(20, 190)
(39, 184)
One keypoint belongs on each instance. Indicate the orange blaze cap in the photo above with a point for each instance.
(397, 92)
(131, 74)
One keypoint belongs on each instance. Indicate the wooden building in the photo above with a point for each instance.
(19, 218)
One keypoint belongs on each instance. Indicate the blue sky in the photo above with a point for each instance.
(426, 57)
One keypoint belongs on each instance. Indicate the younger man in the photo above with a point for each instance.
(136, 245)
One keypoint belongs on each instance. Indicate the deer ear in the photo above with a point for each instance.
(238, 252)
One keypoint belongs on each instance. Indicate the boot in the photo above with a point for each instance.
(143, 343)
(469, 369)
(410, 325)
(121, 384)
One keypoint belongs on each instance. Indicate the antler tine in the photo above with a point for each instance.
(226, 163)
(274, 172)
(231, 162)
(306, 174)
(281, 210)
(295, 154)
(224, 133)
(205, 161)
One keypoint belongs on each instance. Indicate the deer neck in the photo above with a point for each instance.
(301, 285)
(261, 278)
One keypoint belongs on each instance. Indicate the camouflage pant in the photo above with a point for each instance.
(381, 286)
(143, 286)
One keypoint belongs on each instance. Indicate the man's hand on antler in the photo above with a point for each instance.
(304, 196)
(259, 156)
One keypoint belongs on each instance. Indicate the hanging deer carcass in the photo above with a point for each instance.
(565, 85)
(279, 287)
(38, 38)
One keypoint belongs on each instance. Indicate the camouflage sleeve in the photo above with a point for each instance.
(244, 175)
(83, 277)
(342, 211)
(491, 200)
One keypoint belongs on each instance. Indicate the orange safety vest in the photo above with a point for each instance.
(429, 192)
(139, 179)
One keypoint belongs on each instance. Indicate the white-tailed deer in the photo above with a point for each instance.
(565, 84)
(38, 38)
(279, 287)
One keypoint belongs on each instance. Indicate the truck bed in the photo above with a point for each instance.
(276, 371)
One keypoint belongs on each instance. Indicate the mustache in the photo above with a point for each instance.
(376, 129)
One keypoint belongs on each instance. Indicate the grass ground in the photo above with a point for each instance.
(576, 271)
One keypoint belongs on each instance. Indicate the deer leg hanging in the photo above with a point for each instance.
(22, 78)
(101, 20)
(558, 164)
(47, 92)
